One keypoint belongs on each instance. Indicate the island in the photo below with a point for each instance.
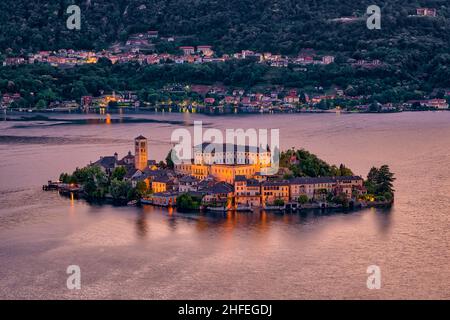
(303, 181)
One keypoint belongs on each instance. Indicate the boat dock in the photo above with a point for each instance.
(62, 188)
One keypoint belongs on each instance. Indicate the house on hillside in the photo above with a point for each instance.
(426, 12)
(187, 50)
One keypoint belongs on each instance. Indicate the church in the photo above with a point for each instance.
(134, 164)
(225, 162)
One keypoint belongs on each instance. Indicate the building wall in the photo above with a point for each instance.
(183, 168)
(159, 187)
(227, 173)
(262, 159)
(246, 195)
(200, 171)
(312, 191)
(187, 187)
(218, 198)
(271, 193)
(164, 200)
(297, 190)
(252, 201)
(141, 154)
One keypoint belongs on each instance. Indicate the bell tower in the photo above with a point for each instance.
(141, 153)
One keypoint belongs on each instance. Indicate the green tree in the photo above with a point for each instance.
(91, 190)
(21, 103)
(47, 95)
(374, 107)
(344, 171)
(186, 202)
(141, 188)
(309, 164)
(42, 104)
(64, 177)
(303, 199)
(342, 199)
(385, 180)
(67, 178)
(278, 202)
(388, 196)
(380, 181)
(93, 180)
(119, 173)
(119, 190)
(169, 161)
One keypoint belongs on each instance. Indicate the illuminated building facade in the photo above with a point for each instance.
(141, 153)
(225, 161)
(230, 154)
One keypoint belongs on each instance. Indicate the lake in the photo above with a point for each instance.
(154, 253)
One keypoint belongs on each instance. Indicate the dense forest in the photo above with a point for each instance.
(279, 26)
(415, 50)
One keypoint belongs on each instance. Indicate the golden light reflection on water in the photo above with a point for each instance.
(227, 223)
(166, 221)
(72, 207)
(263, 224)
(187, 119)
(202, 224)
(230, 222)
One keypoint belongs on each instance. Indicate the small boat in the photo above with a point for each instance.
(217, 209)
(132, 203)
(51, 185)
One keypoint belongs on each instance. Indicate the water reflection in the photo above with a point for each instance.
(142, 227)
(172, 221)
(383, 218)
(187, 119)
(259, 221)
(100, 119)
(206, 251)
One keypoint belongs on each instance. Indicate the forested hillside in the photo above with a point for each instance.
(283, 26)
(415, 51)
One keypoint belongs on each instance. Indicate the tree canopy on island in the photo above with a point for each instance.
(380, 182)
(302, 163)
(187, 202)
(97, 184)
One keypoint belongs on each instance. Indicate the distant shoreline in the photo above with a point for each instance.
(36, 113)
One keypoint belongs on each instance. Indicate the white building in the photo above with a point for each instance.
(213, 153)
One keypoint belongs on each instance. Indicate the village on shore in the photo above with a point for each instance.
(137, 47)
(217, 98)
(234, 181)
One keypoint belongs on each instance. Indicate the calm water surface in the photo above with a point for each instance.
(152, 253)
